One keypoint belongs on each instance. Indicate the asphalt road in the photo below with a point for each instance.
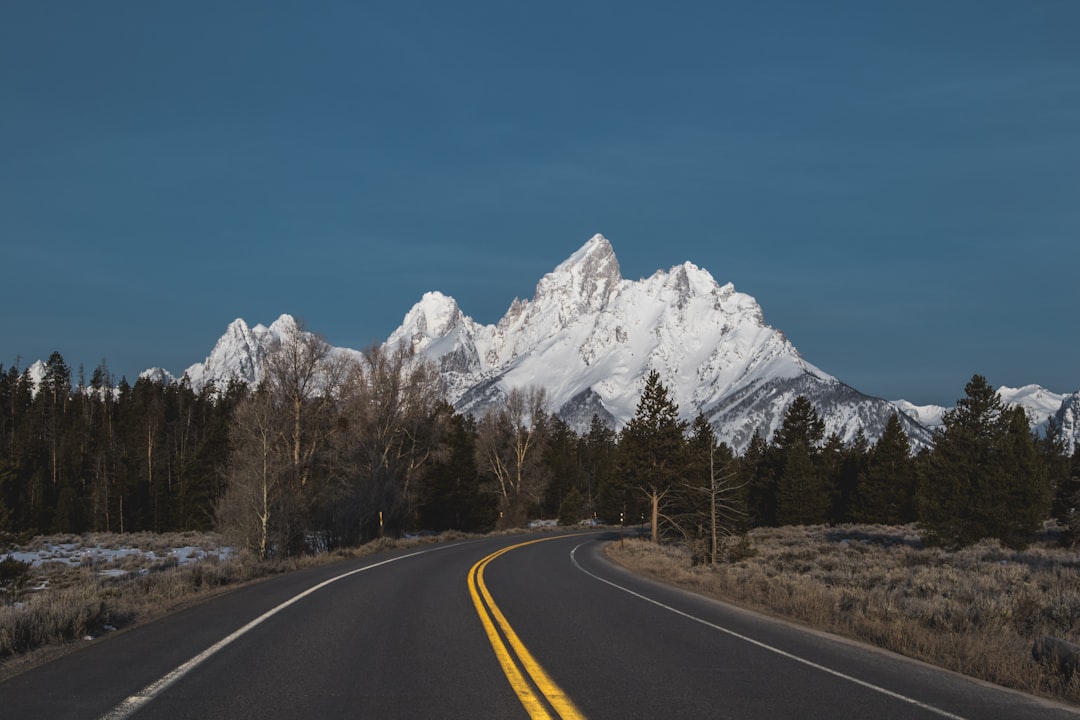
(543, 628)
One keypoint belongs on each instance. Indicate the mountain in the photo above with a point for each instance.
(1039, 403)
(929, 416)
(240, 353)
(590, 337)
(1068, 419)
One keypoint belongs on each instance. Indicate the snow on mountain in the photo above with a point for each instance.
(157, 375)
(36, 372)
(1039, 403)
(240, 354)
(929, 416)
(1068, 419)
(590, 338)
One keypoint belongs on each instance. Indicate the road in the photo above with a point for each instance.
(510, 627)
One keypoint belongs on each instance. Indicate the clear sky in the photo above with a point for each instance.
(897, 183)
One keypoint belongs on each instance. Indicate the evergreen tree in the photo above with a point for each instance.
(572, 508)
(984, 477)
(605, 497)
(1067, 502)
(652, 448)
(886, 489)
(831, 459)
(804, 492)
(450, 496)
(756, 474)
(562, 455)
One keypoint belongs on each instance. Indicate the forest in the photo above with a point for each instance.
(333, 450)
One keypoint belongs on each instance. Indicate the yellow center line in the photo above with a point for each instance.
(555, 696)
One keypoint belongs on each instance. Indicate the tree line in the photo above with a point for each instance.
(333, 449)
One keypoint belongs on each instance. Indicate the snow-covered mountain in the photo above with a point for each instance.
(1039, 403)
(1068, 419)
(591, 337)
(929, 416)
(240, 353)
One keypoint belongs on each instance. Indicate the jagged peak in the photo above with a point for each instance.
(597, 249)
(586, 280)
(436, 314)
(284, 324)
(237, 327)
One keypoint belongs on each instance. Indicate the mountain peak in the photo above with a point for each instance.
(583, 283)
(434, 316)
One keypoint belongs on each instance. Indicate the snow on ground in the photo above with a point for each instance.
(112, 556)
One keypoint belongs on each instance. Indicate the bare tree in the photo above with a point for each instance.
(712, 506)
(254, 497)
(393, 417)
(304, 373)
(508, 449)
(282, 450)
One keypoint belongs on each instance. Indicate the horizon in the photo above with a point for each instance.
(894, 185)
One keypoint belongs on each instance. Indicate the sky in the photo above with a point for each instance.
(896, 183)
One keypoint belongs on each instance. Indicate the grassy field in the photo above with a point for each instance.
(977, 611)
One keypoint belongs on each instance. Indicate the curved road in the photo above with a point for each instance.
(511, 627)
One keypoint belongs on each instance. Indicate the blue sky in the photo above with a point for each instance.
(898, 184)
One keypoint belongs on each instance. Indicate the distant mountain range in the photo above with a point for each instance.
(591, 337)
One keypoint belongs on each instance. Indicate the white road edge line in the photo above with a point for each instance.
(132, 703)
(770, 648)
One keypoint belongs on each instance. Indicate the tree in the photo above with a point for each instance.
(509, 447)
(605, 497)
(652, 448)
(804, 492)
(282, 452)
(756, 474)
(303, 374)
(565, 468)
(1067, 500)
(391, 429)
(256, 498)
(984, 477)
(450, 496)
(712, 501)
(885, 492)
(572, 508)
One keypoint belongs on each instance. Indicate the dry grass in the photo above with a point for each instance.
(977, 611)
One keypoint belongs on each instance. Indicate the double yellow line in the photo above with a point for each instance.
(507, 645)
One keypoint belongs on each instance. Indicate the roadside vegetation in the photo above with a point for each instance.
(976, 611)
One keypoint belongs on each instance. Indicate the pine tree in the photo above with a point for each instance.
(605, 497)
(886, 489)
(450, 497)
(562, 455)
(852, 465)
(652, 448)
(984, 477)
(756, 474)
(804, 491)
